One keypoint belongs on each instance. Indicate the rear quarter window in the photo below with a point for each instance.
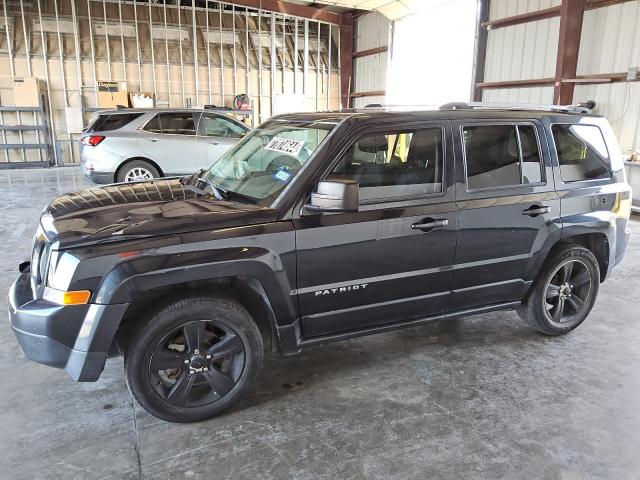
(582, 153)
(113, 121)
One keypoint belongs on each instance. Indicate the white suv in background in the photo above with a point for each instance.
(139, 144)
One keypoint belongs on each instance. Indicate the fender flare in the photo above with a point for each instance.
(129, 279)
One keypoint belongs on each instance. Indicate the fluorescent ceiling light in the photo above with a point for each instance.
(264, 40)
(313, 44)
(216, 37)
(169, 33)
(113, 29)
(3, 27)
(50, 25)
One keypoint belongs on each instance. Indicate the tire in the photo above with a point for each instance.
(564, 292)
(143, 169)
(185, 332)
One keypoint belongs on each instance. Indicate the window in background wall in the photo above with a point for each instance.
(432, 60)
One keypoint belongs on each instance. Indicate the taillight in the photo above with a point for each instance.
(92, 140)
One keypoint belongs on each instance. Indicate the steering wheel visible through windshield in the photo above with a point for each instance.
(261, 165)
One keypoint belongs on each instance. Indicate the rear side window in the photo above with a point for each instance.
(113, 121)
(582, 152)
(501, 155)
(173, 123)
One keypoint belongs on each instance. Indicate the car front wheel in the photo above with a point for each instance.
(564, 293)
(193, 358)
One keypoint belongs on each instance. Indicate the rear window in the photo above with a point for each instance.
(173, 123)
(582, 152)
(113, 121)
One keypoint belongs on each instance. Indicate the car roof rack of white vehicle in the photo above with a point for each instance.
(585, 107)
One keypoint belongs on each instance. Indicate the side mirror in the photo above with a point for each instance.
(335, 196)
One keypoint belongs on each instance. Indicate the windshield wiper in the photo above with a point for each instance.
(192, 182)
(218, 192)
(189, 179)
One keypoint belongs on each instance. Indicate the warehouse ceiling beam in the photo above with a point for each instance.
(543, 82)
(304, 11)
(571, 15)
(371, 51)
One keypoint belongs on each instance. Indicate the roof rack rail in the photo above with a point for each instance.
(578, 108)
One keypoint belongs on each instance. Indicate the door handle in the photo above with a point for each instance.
(152, 139)
(430, 224)
(535, 210)
(214, 143)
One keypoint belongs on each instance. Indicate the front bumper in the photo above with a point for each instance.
(76, 338)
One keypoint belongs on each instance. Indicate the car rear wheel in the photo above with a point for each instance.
(193, 358)
(136, 171)
(564, 293)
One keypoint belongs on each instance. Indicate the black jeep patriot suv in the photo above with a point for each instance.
(319, 227)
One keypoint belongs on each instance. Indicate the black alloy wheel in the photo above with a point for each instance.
(564, 291)
(197, 363)
(567, 293)
(192, 357)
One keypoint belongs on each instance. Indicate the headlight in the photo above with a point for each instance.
(61, 269)
(39, 262)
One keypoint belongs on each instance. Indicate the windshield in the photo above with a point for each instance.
(267, 159)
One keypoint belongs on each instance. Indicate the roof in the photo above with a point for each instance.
(160, 109)
(407, 113)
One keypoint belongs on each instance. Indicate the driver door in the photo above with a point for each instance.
(382, 264)
(216, 135)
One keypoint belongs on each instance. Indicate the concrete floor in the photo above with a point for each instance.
(482, 397)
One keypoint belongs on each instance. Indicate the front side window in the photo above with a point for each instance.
(172, 123)
(214, 126)
(262, 164)
(501, 155)
(582, 152)
(395, 164)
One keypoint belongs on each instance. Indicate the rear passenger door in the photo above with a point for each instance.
(169, 139)
(390, 261)
(508, 211)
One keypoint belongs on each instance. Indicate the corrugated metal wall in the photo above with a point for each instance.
(522, 51)
(188, 71)
(610, 40)
(540, 95)
(370, 72)
(509, 8)
(610, 43)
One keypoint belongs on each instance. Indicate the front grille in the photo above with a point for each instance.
(39, 263)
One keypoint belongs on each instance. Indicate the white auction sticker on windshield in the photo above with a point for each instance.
(285, 145)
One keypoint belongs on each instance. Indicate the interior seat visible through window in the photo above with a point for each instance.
(395, 164)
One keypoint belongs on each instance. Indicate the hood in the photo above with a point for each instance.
(142, 209)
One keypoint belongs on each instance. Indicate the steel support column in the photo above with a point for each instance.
(571, 14)
(346, 58)
(481, 48)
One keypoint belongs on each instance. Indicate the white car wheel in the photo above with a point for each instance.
(138, 174)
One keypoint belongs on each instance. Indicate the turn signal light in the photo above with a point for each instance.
(92, 140)
(78, 297)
